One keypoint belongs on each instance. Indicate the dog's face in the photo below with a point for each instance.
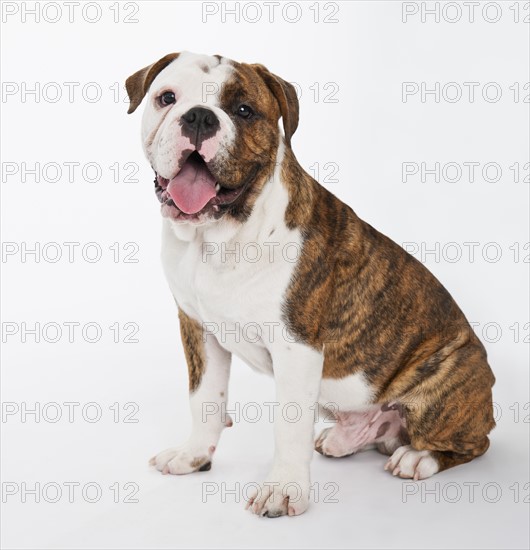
(210, 131)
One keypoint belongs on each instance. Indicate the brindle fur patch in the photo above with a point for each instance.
(138, 83)
(191, 333)
(251, 159)
(374, 309)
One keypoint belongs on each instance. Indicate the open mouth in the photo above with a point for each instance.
(194, 191)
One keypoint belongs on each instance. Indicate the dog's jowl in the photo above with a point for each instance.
(338, 313)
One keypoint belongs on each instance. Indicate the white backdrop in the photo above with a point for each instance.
(390, 91)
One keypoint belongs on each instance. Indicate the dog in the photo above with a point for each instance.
(358, 325)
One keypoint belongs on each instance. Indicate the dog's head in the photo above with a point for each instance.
(210, 131)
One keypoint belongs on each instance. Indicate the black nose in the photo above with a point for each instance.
(199, 123)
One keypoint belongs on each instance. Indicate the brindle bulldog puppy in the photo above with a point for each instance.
(351, 321)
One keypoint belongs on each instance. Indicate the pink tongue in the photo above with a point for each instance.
(192, 187)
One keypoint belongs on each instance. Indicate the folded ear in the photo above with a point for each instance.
(138, 83)
(286, 97)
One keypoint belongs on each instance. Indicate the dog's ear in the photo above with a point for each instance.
(285, 94)
(138, 83)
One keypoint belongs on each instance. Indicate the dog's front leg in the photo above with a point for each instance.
(209, 371)
(297, 374)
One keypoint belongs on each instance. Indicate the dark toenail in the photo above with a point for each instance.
(276, 514)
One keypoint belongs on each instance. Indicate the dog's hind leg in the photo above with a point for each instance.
(379, 426)
(448, 423)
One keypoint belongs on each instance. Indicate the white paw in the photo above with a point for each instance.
(183, 460)
(408, 463)
(282, 495)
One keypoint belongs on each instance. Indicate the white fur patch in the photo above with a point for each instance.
(351, 393)
(192, 86)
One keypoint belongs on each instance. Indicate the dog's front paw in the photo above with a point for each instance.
(183, 460)
(281, 495)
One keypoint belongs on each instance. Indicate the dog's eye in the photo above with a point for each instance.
(167, 98)
(244, 111)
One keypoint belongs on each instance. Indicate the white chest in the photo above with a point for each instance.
(232, 279)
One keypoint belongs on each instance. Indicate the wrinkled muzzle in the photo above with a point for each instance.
(188, 162)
